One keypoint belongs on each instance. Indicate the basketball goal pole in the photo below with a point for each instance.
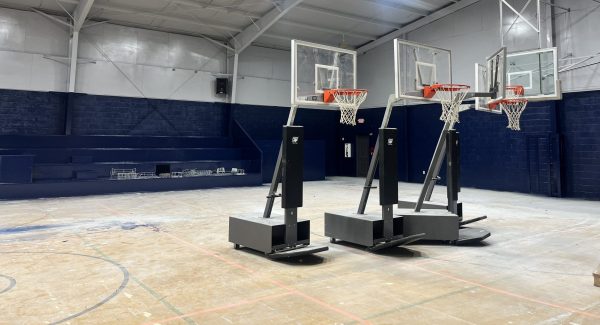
(277, 172)
(375, 159)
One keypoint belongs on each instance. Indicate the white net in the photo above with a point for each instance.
(513, 109)
(349, 100)
(451, 97)
(514, 106)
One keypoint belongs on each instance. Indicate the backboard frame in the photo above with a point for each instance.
(397, 63)
(481, 102)
(557, 86)
(295, 101)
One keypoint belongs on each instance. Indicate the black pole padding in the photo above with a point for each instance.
(453, 165)
(388, 168)
(292, 166)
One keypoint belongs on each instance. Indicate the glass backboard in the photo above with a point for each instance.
(317, 67)
(537, 72)
(417, 66)
(491, 78)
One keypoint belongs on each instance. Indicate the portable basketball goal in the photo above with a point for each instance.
(322, 77)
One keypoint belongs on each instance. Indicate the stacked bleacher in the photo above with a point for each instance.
(54, 166)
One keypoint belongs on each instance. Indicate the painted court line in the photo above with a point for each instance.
(220, 308)
(420, 264)
(277, 283)
(512, 294)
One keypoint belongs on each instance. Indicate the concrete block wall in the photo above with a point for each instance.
(43, 113)
(32, 113)
(110, 115)
(580, 127)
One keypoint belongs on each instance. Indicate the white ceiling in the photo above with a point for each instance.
(350, 22)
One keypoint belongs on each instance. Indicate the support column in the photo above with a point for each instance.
(234, 80)
(73, 61)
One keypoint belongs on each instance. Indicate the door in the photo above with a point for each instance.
(362, 155)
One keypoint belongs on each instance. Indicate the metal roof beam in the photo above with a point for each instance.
(136, 12)
(400, 6)
(81, 13)
(328, 30)
(242, 40)
(229, 10)
(308, 7)
(418, 24)
(344, 15)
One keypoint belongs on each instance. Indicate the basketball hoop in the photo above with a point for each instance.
(515, 91)
(513, 105)
(450, 96)
(348, 100)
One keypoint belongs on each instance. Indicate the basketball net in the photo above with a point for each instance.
(348, 100)
(451, 97)
(514, 106)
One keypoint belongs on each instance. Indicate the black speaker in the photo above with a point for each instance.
(221, 86)
(292, 166)
(388, 167)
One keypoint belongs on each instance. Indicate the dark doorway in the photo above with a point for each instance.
(362, 155)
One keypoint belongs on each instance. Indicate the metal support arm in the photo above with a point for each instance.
(438, 156)
(438, 167)
(375, 159)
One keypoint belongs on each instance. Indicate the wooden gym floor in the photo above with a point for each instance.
(163, 258)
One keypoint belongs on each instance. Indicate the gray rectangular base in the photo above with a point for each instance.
(428, 205)
(265, 234)
(362, 229)
(437, 224)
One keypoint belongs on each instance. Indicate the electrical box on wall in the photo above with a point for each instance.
(221, 86)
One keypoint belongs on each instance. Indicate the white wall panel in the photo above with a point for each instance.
(103, 78)
(577, 35)
(25, 38)
(264, 77)
(196, 87)
(163, 65)
(376, 74)
(260, 91)
(153, 48)
(13, 30)
(48, 75)
(15, 70)
(45, 36)
(196, 53)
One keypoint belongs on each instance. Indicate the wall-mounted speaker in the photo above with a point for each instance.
(221, 86)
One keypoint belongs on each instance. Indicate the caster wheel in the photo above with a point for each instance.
(236, 246)
(332, 240)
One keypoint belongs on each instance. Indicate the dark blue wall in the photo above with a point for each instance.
(32, 113)
(108, 115)
(580, 128)
(43, 113)
(557, 153)
(266, 122)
